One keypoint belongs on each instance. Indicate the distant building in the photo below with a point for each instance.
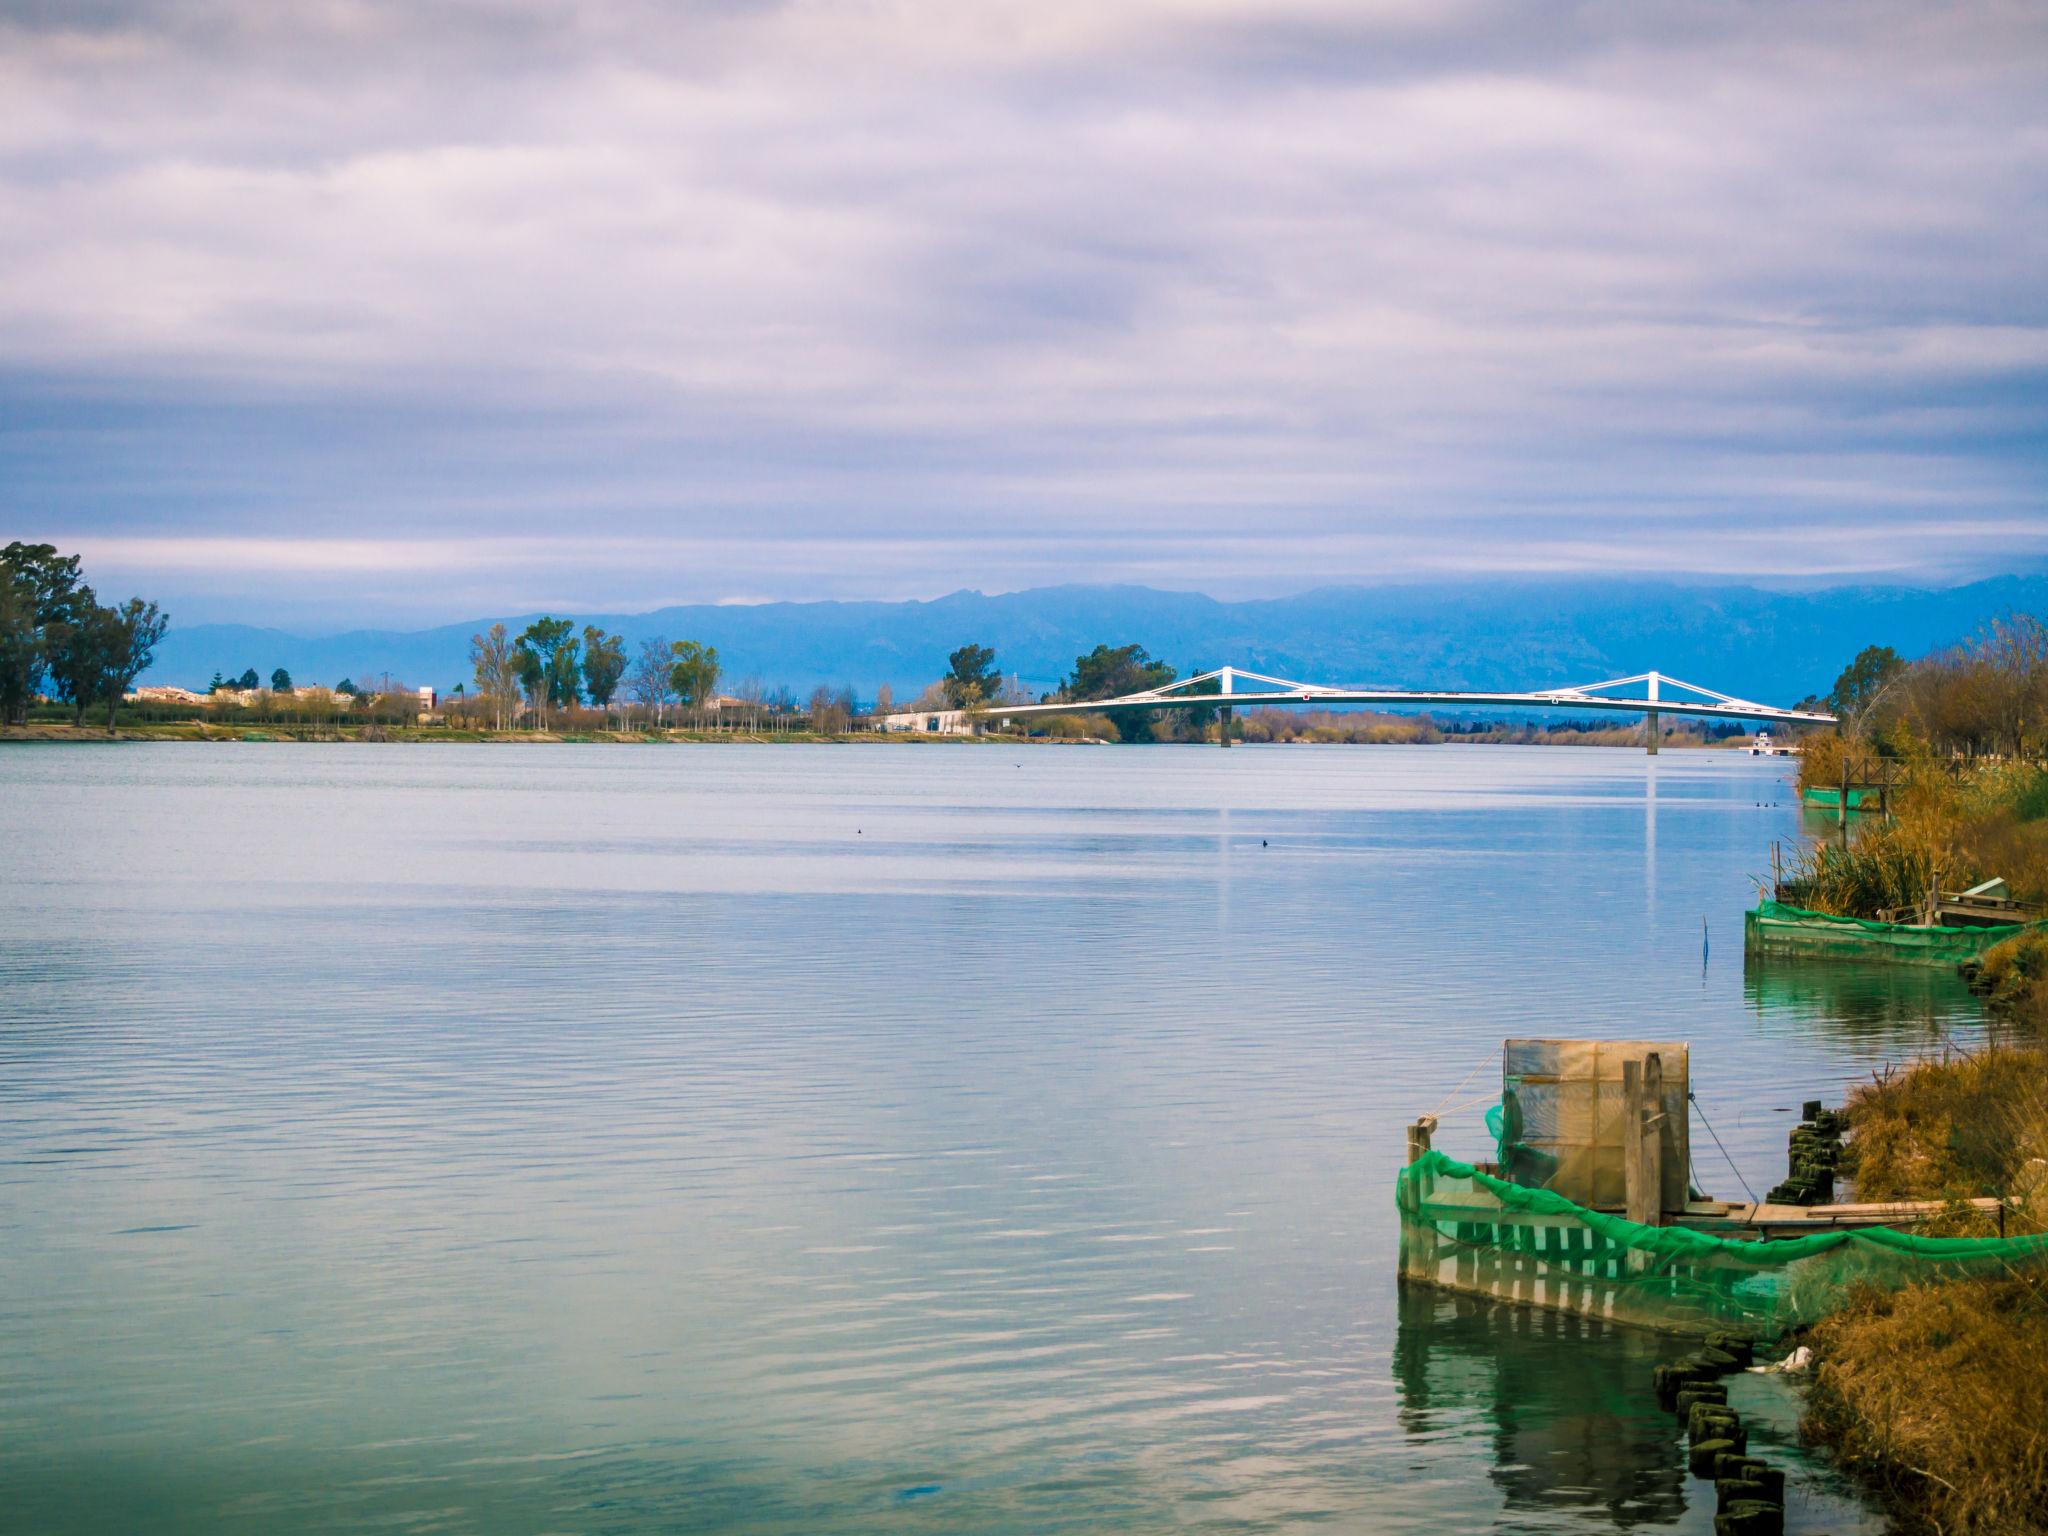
(162, 695)
(428, 699)
(931, 722)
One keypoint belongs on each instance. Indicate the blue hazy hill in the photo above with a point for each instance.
(1767, 645)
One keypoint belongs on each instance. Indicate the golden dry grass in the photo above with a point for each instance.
(1940, 1395)
(1957, 1128)
(2015, 978)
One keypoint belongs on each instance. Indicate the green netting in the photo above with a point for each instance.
(1775, 926)
(1832, 798)
(1468, 1231)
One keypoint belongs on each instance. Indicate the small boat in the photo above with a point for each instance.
(1947, 929)
(1763, 746)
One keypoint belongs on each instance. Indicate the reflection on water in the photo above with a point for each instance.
(1902, 1006)
(789, 1139)
(1563, 1402)
(1576, 1438)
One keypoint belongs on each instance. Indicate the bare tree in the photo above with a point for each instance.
(497, 672)
(885, 700)
(650, 682)
(824, 712)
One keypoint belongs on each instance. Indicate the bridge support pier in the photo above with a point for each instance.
(1224, 731)
(1653, 726)
(1226, 684)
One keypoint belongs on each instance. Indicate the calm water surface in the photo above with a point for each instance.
(805, 1139)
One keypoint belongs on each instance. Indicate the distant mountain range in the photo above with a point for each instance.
(1775, 647)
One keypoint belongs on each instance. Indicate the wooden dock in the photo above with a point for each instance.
(1732, 1218)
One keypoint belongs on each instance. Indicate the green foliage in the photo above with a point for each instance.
(249, 682)
(1873, 670)
(604, 663)
(1108, 672)
(693, 673)
(547, 657)
(344, 687)
(42, 601)
(971, 678)
(2030, 802)
(124, 642)
(280, 681)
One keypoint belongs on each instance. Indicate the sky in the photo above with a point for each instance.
(349, 311)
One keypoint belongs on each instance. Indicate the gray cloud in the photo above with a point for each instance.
(810, 299)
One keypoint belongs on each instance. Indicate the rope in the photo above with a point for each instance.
(1485, 1057)
(1694, 1100)
(1485, 1098)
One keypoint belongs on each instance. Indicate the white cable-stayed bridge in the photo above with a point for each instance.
(1654, 695)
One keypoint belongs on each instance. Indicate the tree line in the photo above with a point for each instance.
(547, 668)
(1987, 695)
(57, 637)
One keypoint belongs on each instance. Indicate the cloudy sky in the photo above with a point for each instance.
(330, 310)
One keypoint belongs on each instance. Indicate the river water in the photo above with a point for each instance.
(799, 1139)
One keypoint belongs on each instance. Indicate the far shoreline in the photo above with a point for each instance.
(198, 733)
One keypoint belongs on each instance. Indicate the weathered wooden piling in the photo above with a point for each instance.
(1749, 1494)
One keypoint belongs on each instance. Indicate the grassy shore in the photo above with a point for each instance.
(1938, 1394)
(1952, 825)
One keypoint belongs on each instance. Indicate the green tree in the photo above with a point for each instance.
(1860, 683)
(98, 652)
(248, 682)
(21, 651)
(71, 647)
(972, 677)
(694, 673)
(125, 642)
(345, 688)
(39, 589)
(546, 654)
(280, 681)
(604, 663)
(1110, 672)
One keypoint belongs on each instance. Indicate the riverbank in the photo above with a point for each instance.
(208, 731)
(1935, 1394)
(213, 730)
(1952, 824)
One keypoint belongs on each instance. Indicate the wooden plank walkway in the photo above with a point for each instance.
(1717, 1216)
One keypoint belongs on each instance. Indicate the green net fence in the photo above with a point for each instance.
(1468, 1231)
(1775, 927)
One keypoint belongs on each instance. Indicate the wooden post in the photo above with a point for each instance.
(1653, 1137)
(1642, 1139)
(1418, 1137)
(1634, 1205)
